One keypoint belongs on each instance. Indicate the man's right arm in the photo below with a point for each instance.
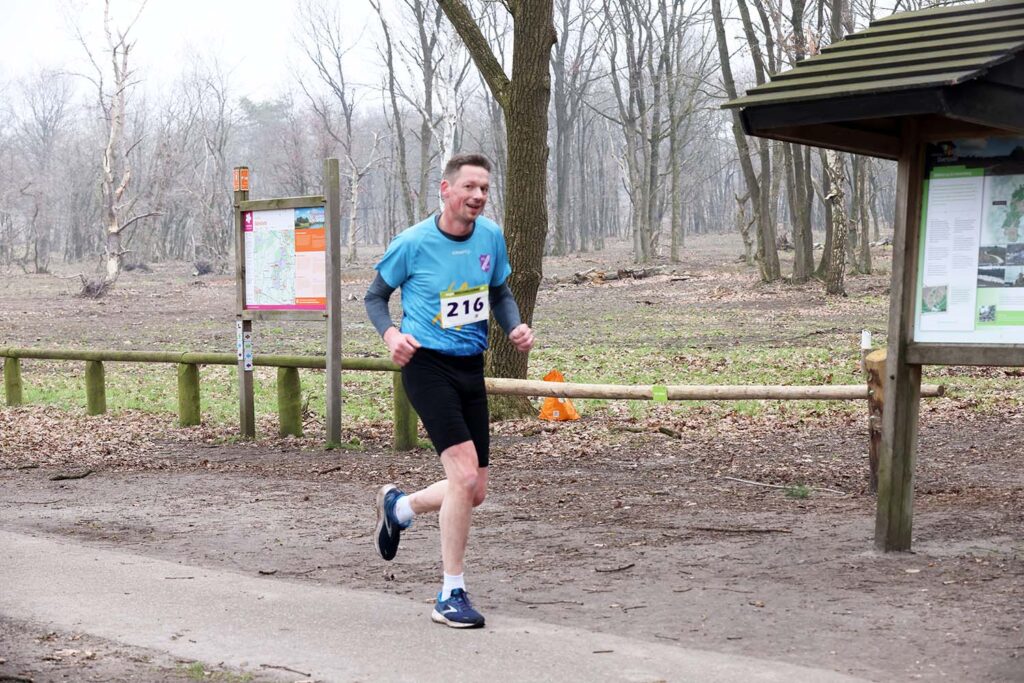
(376, 302)
(400, 346)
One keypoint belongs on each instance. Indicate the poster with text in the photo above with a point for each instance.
(285, 259)
(970, 285)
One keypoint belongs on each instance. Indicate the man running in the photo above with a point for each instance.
(453, 270)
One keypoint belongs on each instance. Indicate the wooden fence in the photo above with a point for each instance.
(289, 388)
(289, 394)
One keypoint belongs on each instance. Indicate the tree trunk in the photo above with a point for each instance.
(768, 256)
(863, 219)
(836, 271)
(353, 209)
(403, 168)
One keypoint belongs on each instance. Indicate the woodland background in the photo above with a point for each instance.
(100, 168)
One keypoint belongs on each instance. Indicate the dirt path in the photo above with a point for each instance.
(607, 523)
(646, 538)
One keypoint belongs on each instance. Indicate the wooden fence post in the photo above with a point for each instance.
(289, 402)
(405, 434)
(189, 407)
(874, 366)
(12, 381)
(95, 388)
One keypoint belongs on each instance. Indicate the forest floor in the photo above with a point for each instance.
(735, 527)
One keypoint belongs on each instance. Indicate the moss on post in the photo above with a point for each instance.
(189, 408)
(12, 381)
(405, 436)
(95, 388)
(289, 402)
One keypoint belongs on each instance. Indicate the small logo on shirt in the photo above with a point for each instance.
(460, 252)
(485, 263)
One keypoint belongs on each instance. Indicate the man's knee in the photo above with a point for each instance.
(464, 480)
(461, 467)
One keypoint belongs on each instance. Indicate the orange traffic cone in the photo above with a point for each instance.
(557, 409)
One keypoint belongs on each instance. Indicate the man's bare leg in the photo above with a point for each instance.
(456, 510)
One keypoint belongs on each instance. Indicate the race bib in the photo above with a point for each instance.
(464, 307)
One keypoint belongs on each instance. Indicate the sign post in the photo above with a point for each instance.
(243, 326)
(332, 191)
(287, 268)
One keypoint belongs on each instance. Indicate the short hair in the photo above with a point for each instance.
(451, 169)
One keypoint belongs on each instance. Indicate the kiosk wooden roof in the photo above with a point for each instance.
(957, 70)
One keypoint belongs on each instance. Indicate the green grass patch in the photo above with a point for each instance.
(152, 387)
(798, 491)
(197, 671)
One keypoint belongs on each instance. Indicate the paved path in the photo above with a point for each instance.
(333, 633)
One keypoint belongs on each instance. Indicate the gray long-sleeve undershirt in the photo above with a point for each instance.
(503, 305)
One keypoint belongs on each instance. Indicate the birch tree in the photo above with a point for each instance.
(119, 198)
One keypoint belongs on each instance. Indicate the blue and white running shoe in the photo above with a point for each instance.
(457, 611)
(389, 531)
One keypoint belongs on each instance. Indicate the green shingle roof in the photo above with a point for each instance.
(932, 48)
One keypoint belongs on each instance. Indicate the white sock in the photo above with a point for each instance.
(450, 584)
(403, 510)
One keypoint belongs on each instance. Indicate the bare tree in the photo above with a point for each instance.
(119, 201)
(39, 135)
(572, 72)
(398, 126)
(326, 51)
(834, 256)
(766, 250)
(524, 99)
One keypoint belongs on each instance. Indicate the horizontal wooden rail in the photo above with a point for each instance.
(289, 388)
(689, 392)
(405, 418)
(191, 358)
(495, 385)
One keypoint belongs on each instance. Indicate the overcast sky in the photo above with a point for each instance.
(252, 38)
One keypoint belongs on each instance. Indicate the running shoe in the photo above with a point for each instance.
(457, 611)
(389, 531)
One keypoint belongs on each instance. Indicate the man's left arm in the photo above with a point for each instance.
(506, 312)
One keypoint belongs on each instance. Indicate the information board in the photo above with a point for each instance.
(970, 284)
(285, 259)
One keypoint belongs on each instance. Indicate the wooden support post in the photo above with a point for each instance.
(289, 402)
(895, 512)
(246, 399)
(405, 434)
(874, 367)
(13, 389)
(332, 209)
(189, 411)
(243, 327)
(95, 388)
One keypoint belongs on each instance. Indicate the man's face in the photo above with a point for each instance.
(465, 196)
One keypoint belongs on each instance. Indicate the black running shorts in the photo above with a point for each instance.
(448, 393)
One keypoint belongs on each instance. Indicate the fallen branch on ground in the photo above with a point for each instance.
(743, 530)
(548, 602)
(778, 486)
(66, 476)
(284, 668)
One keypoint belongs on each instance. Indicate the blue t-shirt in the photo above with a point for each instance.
(425, 262)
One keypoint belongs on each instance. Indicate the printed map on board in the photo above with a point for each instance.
(1004, 219)
(274, 267)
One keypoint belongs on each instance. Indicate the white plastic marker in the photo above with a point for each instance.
(865, 349)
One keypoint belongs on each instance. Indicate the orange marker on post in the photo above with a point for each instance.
(241, 179)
